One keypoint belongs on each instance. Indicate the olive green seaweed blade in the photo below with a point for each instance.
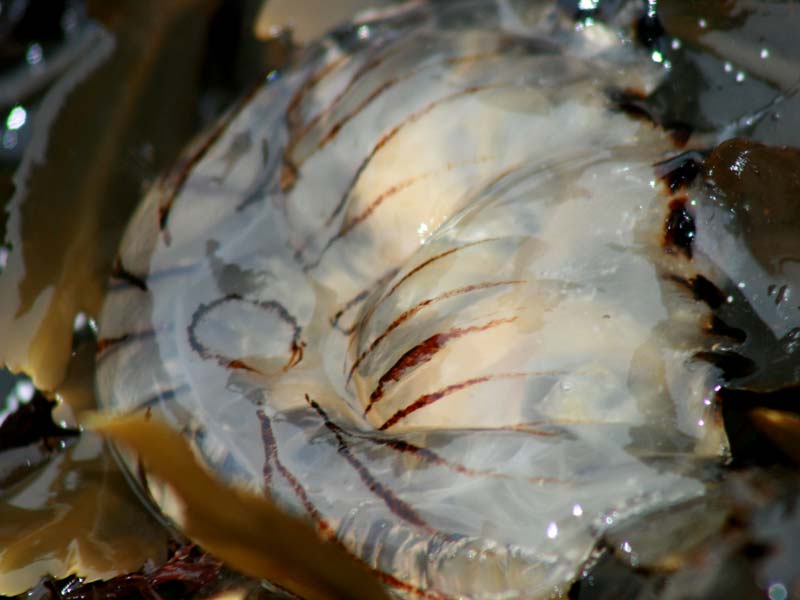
(245, 530)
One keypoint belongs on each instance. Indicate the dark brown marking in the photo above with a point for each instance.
(229, 363)
(635, 103)
(106, 346)
(429, 399)
(120, 273)
(702, 289)
(160, 397)
(359, 298)
(359, 74)
(397, 506)
(428, 456)
(679, 229)
(272, 457)
(680, 171)
(153, 277)
(732, 364)
(719, 327)
(399, 187)
(352, 223)
(632, 102)
(423, 353)
(380, 90)
(418, 307)
(293, 119)
(417, 269)
(392, 133)
(288, 174)
(433, 259)
(172, 184)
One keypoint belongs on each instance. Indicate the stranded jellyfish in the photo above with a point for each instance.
(431, 289)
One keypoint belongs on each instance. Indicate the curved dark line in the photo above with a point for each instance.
(105, 347)
(433, 397)
(165, 396)
(122, 274)
(271, 456)
(392, 133)
(418, 307)
(293, 120)
(229, 363)
(423, 353)
(389, 47)
(365, 214)
(126, 279)
(419, 268)
(359, 298)
(176, 177)
(397, 506)
(334, 130)
(426, 455)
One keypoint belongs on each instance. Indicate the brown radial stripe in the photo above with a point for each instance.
(177, 176)
(293, 119)
(120, 273)
(418, 307)
(351, 224)
(423, 353)
(399, 187)
(359, 298)
(429, 399)
(230, 363)
(126, 279)
(397, 506)
(270, 458)
(392, 133)
(106, 346)
(390, 83)
(419, 268)
(160, 397)
(304, 129)
(271, 451)
(428, 456)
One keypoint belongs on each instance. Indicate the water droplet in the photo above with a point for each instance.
(764, 53)
(34, 54)
(16, 118)
(740, 77)
(552, 531)
(24, 390)
(777, 591)
(728, 67)
(10, 140)
(577, 510)
(702, 23)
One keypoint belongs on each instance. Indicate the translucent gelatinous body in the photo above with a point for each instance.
(417, 289)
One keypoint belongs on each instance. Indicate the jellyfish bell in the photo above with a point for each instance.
(441, 303)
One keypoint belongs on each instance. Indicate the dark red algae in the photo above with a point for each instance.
(187, 572)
